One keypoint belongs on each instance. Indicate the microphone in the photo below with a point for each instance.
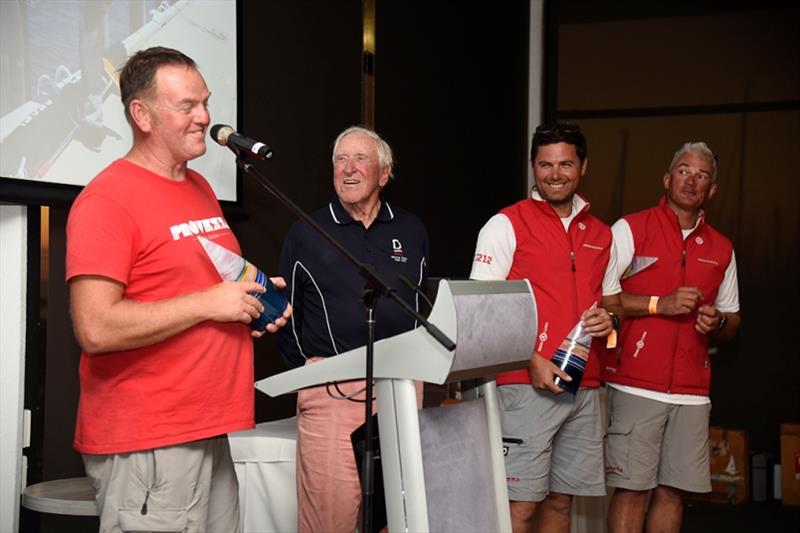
(226, 136)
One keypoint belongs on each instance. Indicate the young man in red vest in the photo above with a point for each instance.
(553, 441)
(679, 288)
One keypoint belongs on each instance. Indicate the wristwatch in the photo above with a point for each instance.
(615, 320)
(722, 321)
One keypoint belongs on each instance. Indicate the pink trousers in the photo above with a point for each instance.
(328, 490)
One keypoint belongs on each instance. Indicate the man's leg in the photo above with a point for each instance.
(684, 466)
(223, 499)
(328, 490)
(552, 515)
(633, 455)
(577, 462)
(626, 511)
(522, 514)
(165, 489)
(529, 420)
(666, 510)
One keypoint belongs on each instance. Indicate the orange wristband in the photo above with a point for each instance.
(652, 308)
(611, 340)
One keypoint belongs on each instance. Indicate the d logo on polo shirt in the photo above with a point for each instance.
(397, 252)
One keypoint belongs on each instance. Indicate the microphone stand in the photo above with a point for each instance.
(376, 287)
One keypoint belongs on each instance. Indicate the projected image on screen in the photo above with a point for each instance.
(61, 119)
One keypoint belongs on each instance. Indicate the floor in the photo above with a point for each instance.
(771, 517)
(768, 517)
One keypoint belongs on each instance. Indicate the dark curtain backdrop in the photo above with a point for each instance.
(301, 86)
(451, 97)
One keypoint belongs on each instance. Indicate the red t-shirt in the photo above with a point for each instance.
(140, 229)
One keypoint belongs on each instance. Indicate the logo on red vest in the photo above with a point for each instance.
(640, 344)
(709, 261)
(543, 336)
(698, 239)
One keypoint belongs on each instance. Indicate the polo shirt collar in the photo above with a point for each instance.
(579, 203)
(342, 217)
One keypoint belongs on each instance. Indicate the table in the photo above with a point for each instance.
(264, 459)
(70, 496)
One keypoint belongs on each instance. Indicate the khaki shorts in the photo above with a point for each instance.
(188, 487)
(653, 443)
(551, 442)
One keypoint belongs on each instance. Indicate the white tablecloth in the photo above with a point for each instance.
(264, 458)
(265, 465)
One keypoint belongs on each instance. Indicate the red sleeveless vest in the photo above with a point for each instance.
(565, 269)
(659, 353)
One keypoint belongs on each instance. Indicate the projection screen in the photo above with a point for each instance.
(61, 119)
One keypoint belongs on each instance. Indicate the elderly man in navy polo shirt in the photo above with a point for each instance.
(329, 317)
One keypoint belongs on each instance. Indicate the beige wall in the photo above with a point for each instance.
(682, 61)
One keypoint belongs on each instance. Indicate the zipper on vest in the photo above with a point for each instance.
(675, 340)
(575, 311)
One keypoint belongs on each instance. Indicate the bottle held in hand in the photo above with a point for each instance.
(232, 267)
(572, 356)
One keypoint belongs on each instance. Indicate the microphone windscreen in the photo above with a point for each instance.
(220, 133)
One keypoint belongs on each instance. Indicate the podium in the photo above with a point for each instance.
(494, 325)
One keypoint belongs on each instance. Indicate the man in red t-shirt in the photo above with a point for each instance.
(166, 367)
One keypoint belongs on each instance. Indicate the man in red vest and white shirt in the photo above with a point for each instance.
(553, 441)
(678, 276)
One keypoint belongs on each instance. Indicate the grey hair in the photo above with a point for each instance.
(384, 150)
(700, 148)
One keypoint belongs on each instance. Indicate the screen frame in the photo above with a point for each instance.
(36, 193)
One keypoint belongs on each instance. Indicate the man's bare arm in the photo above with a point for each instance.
(105, 321)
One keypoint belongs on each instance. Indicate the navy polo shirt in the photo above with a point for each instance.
(324, 289)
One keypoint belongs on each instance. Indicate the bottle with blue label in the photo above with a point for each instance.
(573, 355)
(232, 267)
